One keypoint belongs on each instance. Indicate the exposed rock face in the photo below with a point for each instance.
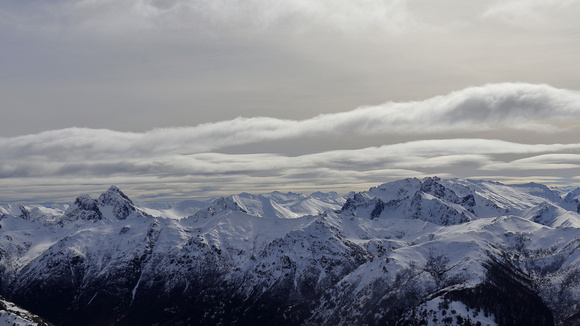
(403, 253)
(121, 205)
(112, 204)
(84, 208)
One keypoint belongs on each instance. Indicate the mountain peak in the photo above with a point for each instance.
(544, 213)
(84, 208)
(447, 251)
(572, 195)
(117, 203)
(222, 204)
(113, 195)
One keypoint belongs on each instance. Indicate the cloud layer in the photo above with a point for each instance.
(498, 107)
(135, 65)
(217, 16)
(203, 158)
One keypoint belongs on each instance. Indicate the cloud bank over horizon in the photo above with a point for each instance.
(187, 98)
(467, 133)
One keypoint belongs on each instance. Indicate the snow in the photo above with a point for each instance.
(288, 205)
(16, 316)
(436, 314)
(434, 231)
(572, 195)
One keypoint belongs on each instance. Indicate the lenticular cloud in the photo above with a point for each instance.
(490, 107)
(515, 106)
(172, 155)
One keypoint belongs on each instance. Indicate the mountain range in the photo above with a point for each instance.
(408, 252)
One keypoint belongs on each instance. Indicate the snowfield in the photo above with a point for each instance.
(409, 252)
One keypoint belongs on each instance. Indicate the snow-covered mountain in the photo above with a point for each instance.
(273, 204)
(176, 210)
(573, 197)
(409, 252)
(277, 204)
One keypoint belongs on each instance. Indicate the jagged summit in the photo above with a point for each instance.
(428, 199)
(220, 205)
(83, 208)
(113, 196)
(116, 204)
(283, 197)
(113, 204)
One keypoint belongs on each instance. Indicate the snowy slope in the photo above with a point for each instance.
(573, 198)
(177, 210)
(287, 205)
(407, 252)
(273, 204)
(11, 314)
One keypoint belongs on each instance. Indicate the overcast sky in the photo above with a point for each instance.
(179, 99)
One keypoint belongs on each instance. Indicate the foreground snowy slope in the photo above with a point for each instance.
(11, 314)
(409, 252)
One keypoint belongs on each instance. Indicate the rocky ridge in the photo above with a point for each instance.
(408, 252)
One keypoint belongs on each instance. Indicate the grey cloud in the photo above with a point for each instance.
(132, 65)
(295, 16)
(187, 158)
(442, 155)
(215, 16)
(491, 107)
(554, 161)
(528, 11)
(208, 17)
(199, 61)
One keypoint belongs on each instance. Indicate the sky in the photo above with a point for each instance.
(181, 99)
